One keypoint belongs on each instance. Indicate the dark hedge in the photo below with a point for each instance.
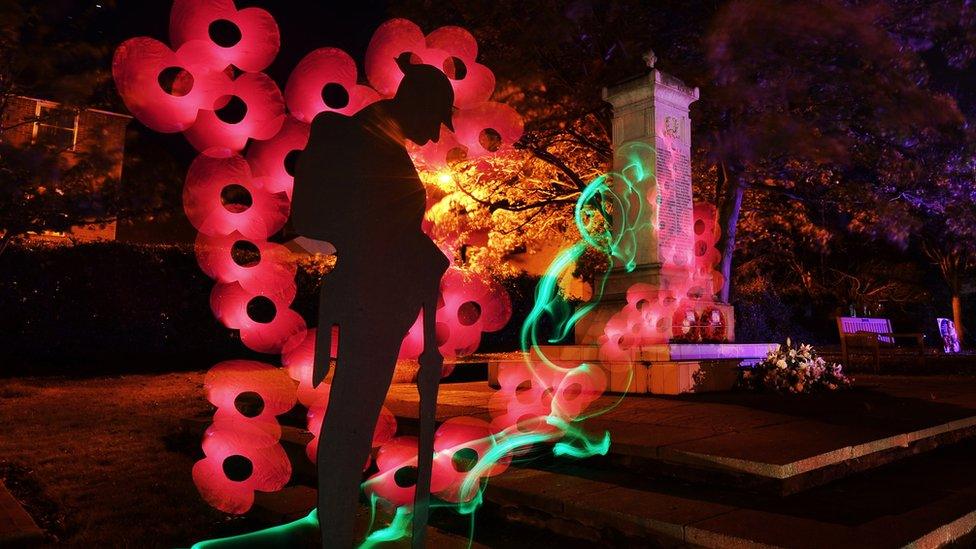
(114, 307)
(99, 308)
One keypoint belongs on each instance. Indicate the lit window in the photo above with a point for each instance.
(56, 127)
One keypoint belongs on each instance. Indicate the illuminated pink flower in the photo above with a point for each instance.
(713, 324)
(164, 89)
(251, 108)
(677, 280)
(390, 40)
(256, 264)
(462, 443)
(221, 196)
(435, 155)
(617, 342)
(473, 82)
(237, 204)
(239, 461)
(266, 323)
(528, 396)
(325, 80)
(266, 391)
(397, 477)
(247, 39)
(469, 305)
(646, 319)
(483, 129)
(451, 49)
(707, 256)
(684, 324)
(298, 361)
(576, 390)
(525, 398)
(274, 160)
(487, 128)
(386, 426)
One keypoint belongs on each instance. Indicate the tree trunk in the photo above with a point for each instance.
(728, 215)
(5, 241)
(957, 315)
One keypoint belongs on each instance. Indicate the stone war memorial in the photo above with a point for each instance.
(471, 275)
(658, 327)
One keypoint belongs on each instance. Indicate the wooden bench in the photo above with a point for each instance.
(871, 335)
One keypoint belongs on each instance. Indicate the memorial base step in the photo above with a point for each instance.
(918, 502)
(665, 369)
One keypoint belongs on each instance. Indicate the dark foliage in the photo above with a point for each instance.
(107, 308)
(112, 308)
(521, 290)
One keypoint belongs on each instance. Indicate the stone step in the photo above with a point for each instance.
(924, 501)
(754, 443)
(650, 475)
(295, 502)
(757, 442)
(779, 459)
(17, 528)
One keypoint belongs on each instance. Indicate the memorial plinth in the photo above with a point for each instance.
(651, 116)
(653, 109)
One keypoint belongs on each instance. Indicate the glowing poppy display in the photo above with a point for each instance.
(707, 256)
(239, 460)
(257, 265)
(326, 80)
(473, 82)
(482, 127)
(251, 107)
(266, 323)
(389, 41)
(461, 443)
(524, 399)
(249, 392)
(451, 49)
(274, 160)
(386, 426)
(208, 85)
(487, 128)
(469, 306)
(247, 39)
(221, 196)
(167, 89)
(298, 361)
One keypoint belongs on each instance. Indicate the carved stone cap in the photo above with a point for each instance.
(647, 86)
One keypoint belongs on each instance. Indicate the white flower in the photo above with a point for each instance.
(781, 363)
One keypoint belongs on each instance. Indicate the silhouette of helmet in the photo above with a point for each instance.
(425, 89)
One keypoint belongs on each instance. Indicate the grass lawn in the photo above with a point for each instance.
(102, 461)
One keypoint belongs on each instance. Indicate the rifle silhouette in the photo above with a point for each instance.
(356, 187)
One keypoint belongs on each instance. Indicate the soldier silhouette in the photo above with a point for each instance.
(356, 187)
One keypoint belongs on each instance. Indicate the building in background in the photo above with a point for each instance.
(70, 133)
